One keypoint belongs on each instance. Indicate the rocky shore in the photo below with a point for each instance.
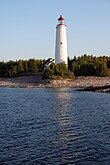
(99, 84)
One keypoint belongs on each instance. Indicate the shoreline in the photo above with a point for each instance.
(91, 83)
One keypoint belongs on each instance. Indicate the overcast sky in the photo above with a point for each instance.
(27, 27)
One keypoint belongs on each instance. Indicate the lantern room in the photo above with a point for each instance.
(61, 20)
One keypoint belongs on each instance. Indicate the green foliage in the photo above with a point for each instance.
(32, 65)
(89, 65)
(56, 71)
(48, 74)
(85, 65)
(20, 68)
(15, 68)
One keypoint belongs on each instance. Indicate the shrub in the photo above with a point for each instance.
(56, 71)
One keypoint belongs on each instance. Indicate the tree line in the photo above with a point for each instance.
(89, 65)
(85, 65)
(15, 68)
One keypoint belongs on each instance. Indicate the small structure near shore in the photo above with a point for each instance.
(47, 63)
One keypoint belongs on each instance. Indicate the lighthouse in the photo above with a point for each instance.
(61, 42)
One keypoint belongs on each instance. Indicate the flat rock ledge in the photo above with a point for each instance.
(80, 82)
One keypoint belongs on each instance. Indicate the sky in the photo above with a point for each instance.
(28, 28)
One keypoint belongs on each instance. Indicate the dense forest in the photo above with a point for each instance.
(15, 68)
(85, 65)
(89, 65)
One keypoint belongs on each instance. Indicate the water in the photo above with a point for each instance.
(54, 126)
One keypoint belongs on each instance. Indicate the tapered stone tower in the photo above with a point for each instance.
(61, 42)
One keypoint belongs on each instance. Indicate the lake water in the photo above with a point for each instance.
(54, 127)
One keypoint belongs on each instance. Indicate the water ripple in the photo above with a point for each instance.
(54, 126)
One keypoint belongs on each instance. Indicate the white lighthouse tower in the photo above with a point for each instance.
(61, 42)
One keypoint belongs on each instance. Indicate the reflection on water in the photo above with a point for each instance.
(62, 107)
(65, 135)
(54, 126)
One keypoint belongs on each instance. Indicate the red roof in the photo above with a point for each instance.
(61, 25)
(61, 18)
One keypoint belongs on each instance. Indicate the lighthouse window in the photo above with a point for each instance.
(60, 43)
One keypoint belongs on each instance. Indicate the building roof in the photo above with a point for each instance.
(48, 62)
(61, 18)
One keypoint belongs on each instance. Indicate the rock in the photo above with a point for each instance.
(87, 83)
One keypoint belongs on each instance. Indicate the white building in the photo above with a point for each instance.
(47, 63)
(61, 42)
